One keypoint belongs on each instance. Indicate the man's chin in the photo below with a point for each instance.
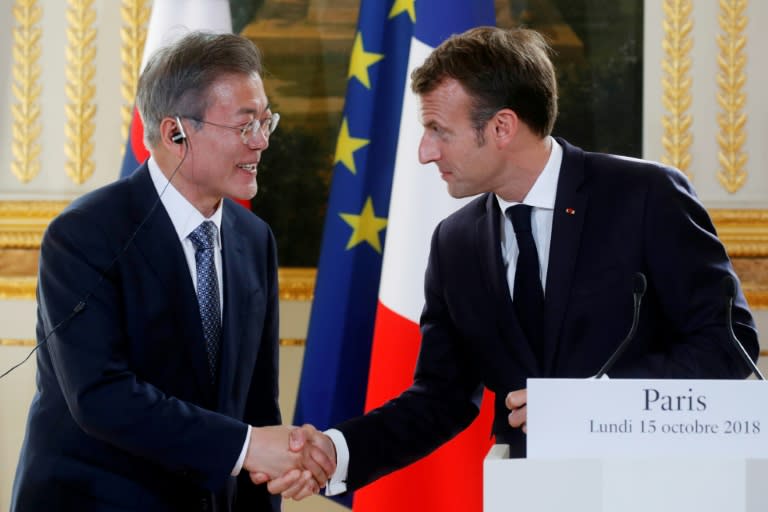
(457, 193)
(246, 194)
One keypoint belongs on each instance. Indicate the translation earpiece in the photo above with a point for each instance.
(179, 136)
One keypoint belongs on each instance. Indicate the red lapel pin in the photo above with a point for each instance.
(570, 211)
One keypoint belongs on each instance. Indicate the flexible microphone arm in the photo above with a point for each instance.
(729, 287)
(638, 292)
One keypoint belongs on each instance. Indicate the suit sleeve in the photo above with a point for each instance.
(687, 264)
(91, 361)
(442, 401)
(262, 406)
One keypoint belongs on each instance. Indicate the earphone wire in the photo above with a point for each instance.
(84, 301)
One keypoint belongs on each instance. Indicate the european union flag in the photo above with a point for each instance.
(335, 371)
(334, 378)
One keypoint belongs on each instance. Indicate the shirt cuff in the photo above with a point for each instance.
(337, 484)
(239, 464)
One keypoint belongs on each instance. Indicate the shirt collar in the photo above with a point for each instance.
(184, 216)
(544, 189)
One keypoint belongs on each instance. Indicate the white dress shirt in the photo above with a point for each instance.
(185, 219)
(542, 198)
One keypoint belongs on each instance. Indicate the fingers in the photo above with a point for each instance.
(307, 464)
(305, 486)
(516, 399)
(267, 451)
(281, 484)
(318, 471)
(518, 418)
(323, 452)
(516, 402)
(319, 453)
(259, 478)
(296, 439)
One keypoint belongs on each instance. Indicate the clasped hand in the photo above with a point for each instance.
(295, 462)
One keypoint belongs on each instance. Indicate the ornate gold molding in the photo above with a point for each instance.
(292, 342)
(133, 34)
(11, 342)
(744, 232)
(14, 342)
(18, 287)
(297, 283)
(730, 97)
(26, 90)
(676, 84)
(22, 223)
(757, 299)
(80, 71)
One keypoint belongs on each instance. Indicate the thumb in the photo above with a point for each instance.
(296, 440)
(259, 478)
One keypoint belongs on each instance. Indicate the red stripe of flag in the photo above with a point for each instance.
(448, 480)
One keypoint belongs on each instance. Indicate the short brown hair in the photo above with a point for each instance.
(498, 68)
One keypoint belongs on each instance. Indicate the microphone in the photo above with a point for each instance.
(729, 290)
(638, 290)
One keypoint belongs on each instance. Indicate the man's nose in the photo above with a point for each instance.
(428, 151)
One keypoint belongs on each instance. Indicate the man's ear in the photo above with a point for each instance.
(505, 125)
(172, 135)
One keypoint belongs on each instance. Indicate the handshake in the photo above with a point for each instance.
(294, 462)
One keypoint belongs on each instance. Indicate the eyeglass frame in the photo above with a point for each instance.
(266, 127)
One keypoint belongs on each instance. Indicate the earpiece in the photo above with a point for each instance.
(179, 136)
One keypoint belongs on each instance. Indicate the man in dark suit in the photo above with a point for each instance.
(534, 278)
(158, 312)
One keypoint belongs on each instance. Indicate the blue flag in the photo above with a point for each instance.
(335, 370)
(334, 379)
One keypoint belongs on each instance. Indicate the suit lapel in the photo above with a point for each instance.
(236, 308)
(488, 231)
(567, 224)
(159, 243)
(489, 245)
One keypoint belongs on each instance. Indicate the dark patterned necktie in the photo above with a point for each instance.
(528, 294)
(203, 238)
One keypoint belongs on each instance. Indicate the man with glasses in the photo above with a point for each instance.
(158, 312)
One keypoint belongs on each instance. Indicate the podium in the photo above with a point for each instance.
(623, 484)
(580, 464)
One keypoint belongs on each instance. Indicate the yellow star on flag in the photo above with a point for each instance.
(361, 60)
(365, 227)
(404, 6)
(346, 146)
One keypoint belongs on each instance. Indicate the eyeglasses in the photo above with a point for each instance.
(266, 126)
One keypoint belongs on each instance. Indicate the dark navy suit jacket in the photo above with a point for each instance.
(613, 217)
(125, 416)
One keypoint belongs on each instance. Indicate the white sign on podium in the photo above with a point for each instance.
(647, 418)
(636, 445)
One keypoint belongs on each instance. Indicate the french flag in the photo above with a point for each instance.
(364, 337)
(169, 21)
(450, 479)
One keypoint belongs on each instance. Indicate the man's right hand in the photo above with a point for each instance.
(316, 450)
(311, 462)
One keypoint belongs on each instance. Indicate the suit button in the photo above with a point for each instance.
(205, 505)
